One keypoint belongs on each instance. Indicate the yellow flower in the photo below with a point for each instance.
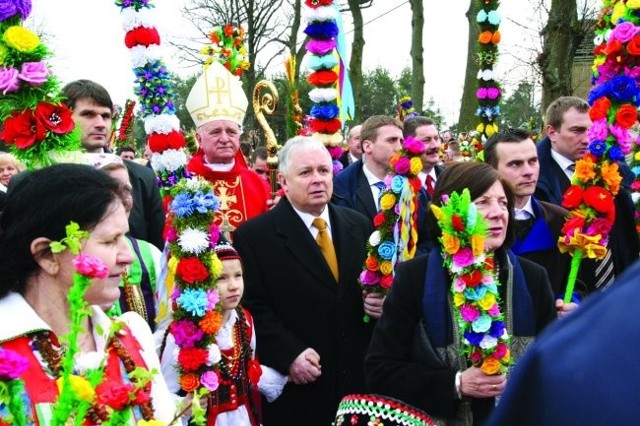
(487, 301)
(21, 39)
(386, 267)
(633, 4)
(491, 129)
(80, 387)
(599, 60)
(636, 156)
(216, 265)
(619, 10)
(415, 165)
(451, 243)
(477, 244)
(150, 423)
(480, 128)
(437, 212)
(387, 201)
(459, 299)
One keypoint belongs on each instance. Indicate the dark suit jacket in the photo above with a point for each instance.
(623, 240)
(392, 369)
(296, 304)
(580, 370)
(146, 221)
(351, 189)
(345, 159)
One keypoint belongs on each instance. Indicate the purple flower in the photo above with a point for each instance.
(469, 313)
(34, 73)
(185, 333)
(497, 329)
(12, 365)
(24, 7)
(7, 9)
(9, 80)
(369, 278)
(210, 380)
(212, 299)
(624, 31)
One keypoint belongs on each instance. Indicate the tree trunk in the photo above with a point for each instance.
(417, 75)
(467, 120)
(355, 65)
(561, 37)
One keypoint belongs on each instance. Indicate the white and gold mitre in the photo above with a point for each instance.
(217, 95)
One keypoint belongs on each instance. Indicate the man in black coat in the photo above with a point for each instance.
(513, 154)
(309, 325)
(93, 111)
(567, 122)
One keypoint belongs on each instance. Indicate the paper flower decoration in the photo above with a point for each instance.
(227, 47)
(489, 92)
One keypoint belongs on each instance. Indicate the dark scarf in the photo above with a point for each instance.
(437, 290)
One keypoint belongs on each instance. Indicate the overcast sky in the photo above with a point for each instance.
(92, 46)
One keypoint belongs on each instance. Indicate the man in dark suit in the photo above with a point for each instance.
(308, 310)
(93, 111)
(513, 154)
(581, 370)
(359, 185)
(354, 153)
(567, 122)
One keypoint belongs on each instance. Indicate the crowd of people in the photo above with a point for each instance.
(292, 325)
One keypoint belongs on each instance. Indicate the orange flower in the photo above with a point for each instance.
(611, 176)
(215, 39)
(485, 37)
(371, 263)
(495, 38)
(450, 243)
(228, 30)
(490, 365)
(585, 170)
(394, 159)
(189, 382)
(211, 322)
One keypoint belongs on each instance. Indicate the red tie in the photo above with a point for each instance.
(429, 182)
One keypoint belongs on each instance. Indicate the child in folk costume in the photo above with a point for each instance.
(236, 402)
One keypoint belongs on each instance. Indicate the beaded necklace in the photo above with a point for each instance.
(234, 366)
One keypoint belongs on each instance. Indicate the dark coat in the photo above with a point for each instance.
(351, 189)
(582, 369)
(623, 240)
(296, 304)
(391, 369)
(146, 221)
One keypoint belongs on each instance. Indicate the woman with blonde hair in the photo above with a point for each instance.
(9, 167)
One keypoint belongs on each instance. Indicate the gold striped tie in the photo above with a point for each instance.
(326, 245)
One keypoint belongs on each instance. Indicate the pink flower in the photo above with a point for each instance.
(624, 31)
(413, 146)
(171, 234)
(494, 311)
(500, 351)
(368, 278)
(34, 73)
(469, 312)
(598, 130)
(90, 266)
(185, 333)
(214, 235)
(623, 137)
(476, 356)
(212, 299)
(335, 152)
(9, 80)
(493, 93)
(210, 380)
(463, 258)
(402, 166)
(12, 365)
(459, 285)
(600, 226)
(481, 93)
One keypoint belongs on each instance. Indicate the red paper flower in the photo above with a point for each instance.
(317, 3)
(56, 118)
(160, 142)
(600, 108)
(626, 116)
(190, 359)
(190, 270)
(378, 220)
(599, 199)
(115, 395)
(23, 130)
(386, 281)
(141, 36)
(325, 126)
(572, 225)
(572, 198)
(323, 78)
(633, 47)
(456, 222)
(473, 278)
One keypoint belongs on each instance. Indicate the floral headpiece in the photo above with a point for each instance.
(38, 127)
(396, 233)
(474, 286)
(227, 47)
(155, 92)
(614, 101)
(322, 29)
(489, 92)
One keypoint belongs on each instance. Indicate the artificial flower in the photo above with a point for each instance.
(626, 116)
(193, 241)
(599, 199)
(386, 267)
(572, 197)
(23, 130)
(210, 380)
(34, 73)
(21, 39)
(450, 243)
(55, 117)
(490, 365)
(611, 176)
(191, 270)
(115, 395)
(9, 81)
(189, 382)
(585, 169)
(81, 388)
(387, 201)
(191, 359)
(185, 333)
(193, 301)
(12, 364)
(211, 322)
(600, 109)
(213, 355)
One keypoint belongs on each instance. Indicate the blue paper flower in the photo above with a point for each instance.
(475, 293)
(325, 111)
(622, 88)
(494, 17)
(473, 338)
(615, 153)
(386, 250)
(481, 324)
(597, 148)
(193, 301)
(182, 205)
(497, 329)
(322, 30)
(204, 202)
(397, 183)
